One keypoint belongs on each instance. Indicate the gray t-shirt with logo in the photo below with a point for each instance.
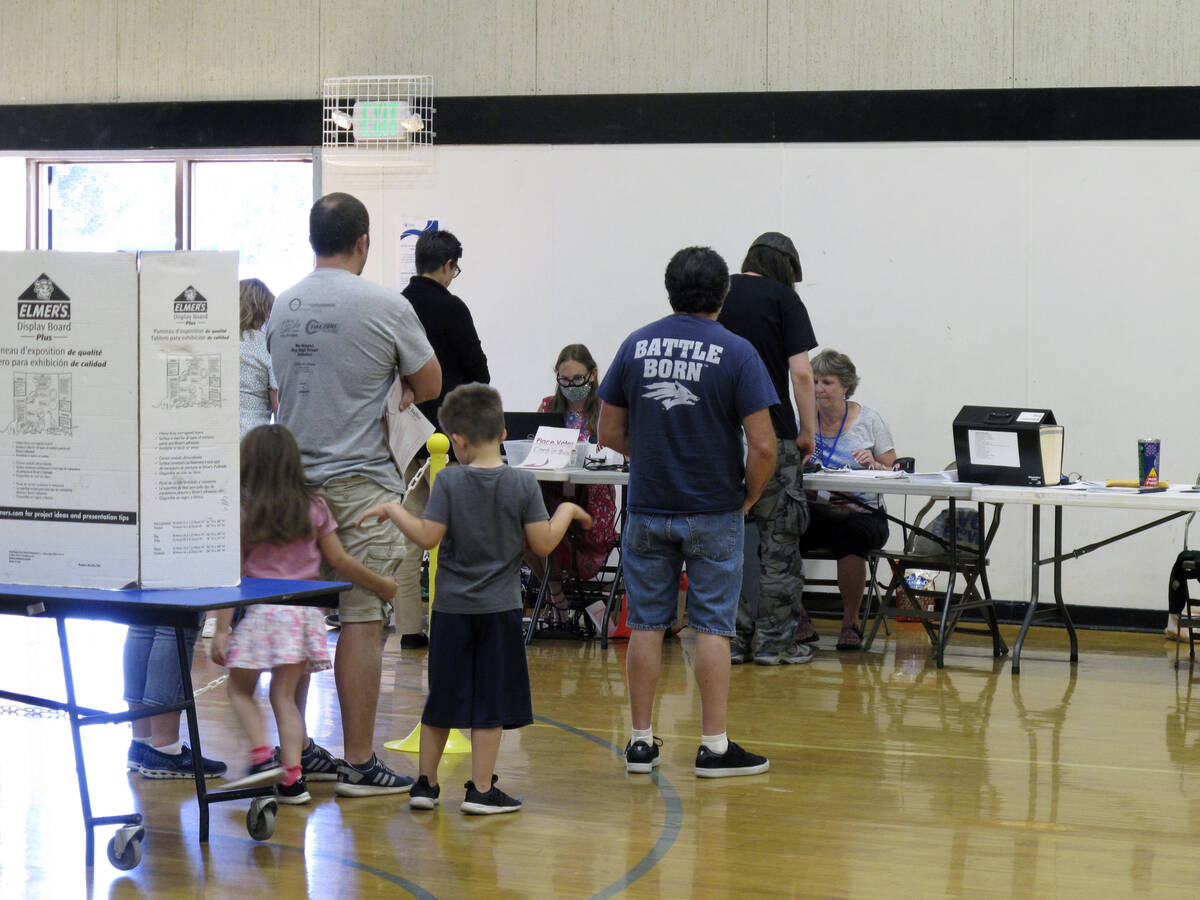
(337, 342)
(485, 512)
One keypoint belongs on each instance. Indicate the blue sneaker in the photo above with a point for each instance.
(156, 764)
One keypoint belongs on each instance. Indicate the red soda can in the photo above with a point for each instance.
(1148, 462)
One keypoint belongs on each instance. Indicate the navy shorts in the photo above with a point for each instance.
(478, 677)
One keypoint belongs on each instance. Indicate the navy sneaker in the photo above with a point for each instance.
(293, 794)
(640, 757)
(424, 795)
(478, 803)
(137, 752)
(156, 764)
(734, 761)
(370, 780)
(317, 763)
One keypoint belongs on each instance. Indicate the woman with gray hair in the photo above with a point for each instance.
(259, 390)
(849, 436)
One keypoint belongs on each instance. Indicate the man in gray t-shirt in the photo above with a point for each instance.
(337, 344)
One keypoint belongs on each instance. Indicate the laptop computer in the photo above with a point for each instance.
(524, 425)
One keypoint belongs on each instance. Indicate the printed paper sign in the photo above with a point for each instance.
(553, 448)
(993, 448)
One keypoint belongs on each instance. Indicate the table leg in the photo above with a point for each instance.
(1035, 570)
(1058, 597)
(72, 711)
(185, 673)
(943, 632)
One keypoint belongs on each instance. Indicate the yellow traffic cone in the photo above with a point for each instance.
(439, 449)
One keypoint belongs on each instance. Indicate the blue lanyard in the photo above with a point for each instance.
(827, 455)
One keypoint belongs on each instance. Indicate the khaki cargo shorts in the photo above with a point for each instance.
(377, 545)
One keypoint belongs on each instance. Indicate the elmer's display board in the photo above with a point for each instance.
(76, 508)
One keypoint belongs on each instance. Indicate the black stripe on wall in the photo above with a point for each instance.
(1144, 113)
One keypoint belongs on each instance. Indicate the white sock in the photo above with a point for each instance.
(171, 749)
(1172, 621)
(717, 743)
(142, 740)
(643, 734)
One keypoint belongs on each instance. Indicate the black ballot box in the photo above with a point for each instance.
(1008, 445)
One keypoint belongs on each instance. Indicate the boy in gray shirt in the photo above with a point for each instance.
(481, 513)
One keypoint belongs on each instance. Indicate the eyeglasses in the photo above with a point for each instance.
(457, 269)
(572, 382)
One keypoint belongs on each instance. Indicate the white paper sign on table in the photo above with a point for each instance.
(553, 448)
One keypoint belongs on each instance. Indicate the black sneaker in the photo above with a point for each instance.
(137, 752)
(369, 780)
(264, 772)
(415, 641)
(489, 804)
(424, 795)
(641, 757)
(293, 794)
(737, 654)
(156, 764)
(317, 763)
(734, 761)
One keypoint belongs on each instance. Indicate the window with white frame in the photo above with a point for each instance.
(257, 206)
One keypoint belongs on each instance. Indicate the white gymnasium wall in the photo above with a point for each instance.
(1051, 275)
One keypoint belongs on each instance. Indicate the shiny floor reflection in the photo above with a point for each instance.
(888, 778)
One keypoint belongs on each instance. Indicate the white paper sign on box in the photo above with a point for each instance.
(68, 419)
(190, 534)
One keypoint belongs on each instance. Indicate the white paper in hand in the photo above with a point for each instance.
(407, 430)
(553, 448)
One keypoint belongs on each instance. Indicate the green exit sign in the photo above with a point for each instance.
(378, 120)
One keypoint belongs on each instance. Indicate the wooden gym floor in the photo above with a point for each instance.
(888, 779)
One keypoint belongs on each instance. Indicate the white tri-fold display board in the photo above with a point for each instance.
(119, 419)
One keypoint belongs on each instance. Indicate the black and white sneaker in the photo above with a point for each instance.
(796, 654)
(266, 772)
(734, 761)
(424, 795)
(494, 801)
(370, 780)
(640, 757)
(318, 764)
(156, 764)
(293, 794)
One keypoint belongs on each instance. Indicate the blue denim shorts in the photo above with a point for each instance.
(654, 549)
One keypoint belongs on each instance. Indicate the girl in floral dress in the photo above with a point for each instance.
(286, 530)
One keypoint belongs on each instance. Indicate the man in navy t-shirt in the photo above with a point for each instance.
(676, 400)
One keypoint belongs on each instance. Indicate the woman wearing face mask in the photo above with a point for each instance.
(575, 397)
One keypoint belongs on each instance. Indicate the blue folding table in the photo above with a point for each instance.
(178, 609)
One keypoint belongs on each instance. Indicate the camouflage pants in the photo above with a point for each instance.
(781, 515)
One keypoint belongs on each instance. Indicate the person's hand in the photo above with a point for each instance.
(389, 590)
(378, 513)
(581, 516)
(406, 396)
(217, 647)
(866, 459)
(806, 443)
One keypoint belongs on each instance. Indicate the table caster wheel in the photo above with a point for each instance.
(125, 847)
(260, 818)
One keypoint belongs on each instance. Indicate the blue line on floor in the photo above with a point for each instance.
(671, 827)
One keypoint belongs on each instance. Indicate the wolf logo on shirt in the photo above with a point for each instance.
(671, 393)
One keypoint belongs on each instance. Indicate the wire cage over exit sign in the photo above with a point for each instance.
(376, 117)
